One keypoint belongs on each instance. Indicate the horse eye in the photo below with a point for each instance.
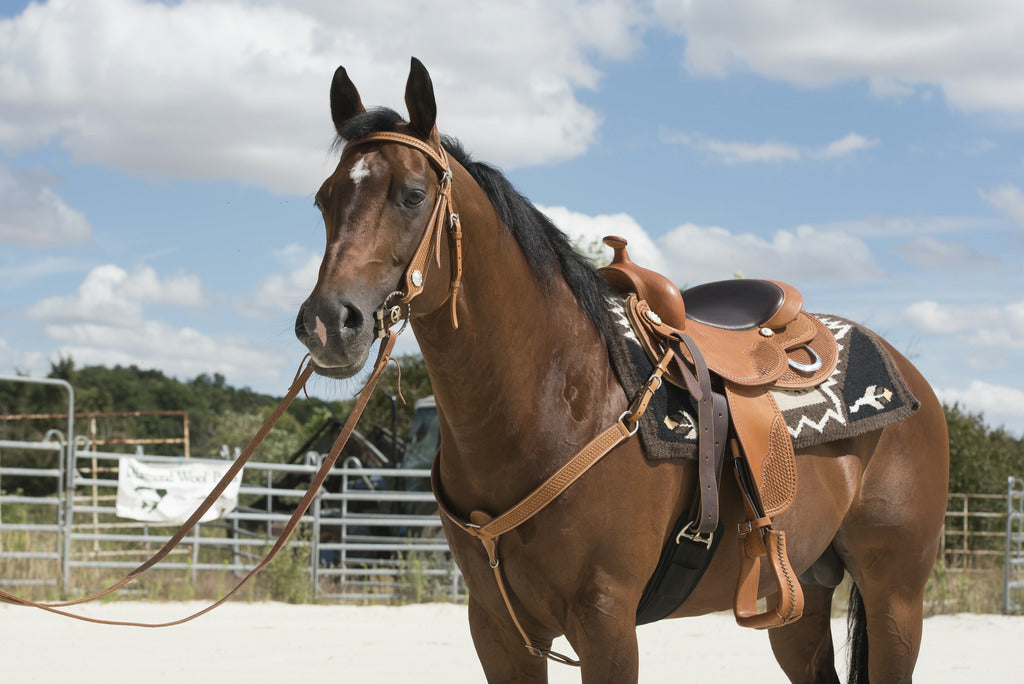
(414, 198)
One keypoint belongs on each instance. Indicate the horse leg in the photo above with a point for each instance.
(500, 649)
(890, 540)
(894, 618)
(804, 648)
(605, 640)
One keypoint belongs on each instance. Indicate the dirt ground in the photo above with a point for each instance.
(271, 642)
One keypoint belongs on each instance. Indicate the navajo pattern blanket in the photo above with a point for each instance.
(864, 393)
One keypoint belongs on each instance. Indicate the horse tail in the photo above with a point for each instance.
(857, 627)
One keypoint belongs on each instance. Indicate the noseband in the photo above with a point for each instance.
(442, 218)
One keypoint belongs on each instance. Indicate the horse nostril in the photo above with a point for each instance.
(351, 318)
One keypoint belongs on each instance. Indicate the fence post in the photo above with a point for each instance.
(316, 537)
(1014, 542)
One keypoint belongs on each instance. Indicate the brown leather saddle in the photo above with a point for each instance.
(753, 336)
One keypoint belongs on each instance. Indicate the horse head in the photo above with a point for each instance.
(381, 207)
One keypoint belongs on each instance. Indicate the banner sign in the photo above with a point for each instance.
(170, 493)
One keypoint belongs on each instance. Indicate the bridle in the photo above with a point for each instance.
(443, 219)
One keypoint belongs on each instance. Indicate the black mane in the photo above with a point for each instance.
(547, 249)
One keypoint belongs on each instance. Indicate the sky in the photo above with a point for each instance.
(158, 163)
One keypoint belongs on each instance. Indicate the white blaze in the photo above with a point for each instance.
(360, 171)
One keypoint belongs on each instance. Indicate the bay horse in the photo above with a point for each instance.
(513, 326)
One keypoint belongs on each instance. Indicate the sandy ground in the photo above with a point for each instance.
(269, 642)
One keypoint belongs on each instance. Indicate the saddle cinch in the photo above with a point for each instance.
(752, 336)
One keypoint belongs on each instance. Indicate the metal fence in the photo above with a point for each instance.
(1013, 597)
(370, 535)
(974, 530)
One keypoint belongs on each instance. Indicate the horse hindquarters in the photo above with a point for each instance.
(890, 538)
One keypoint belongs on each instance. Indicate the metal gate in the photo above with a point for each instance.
(371, 535)
(33, 539)
(1013, 596)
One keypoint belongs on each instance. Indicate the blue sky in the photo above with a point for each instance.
(158, 161)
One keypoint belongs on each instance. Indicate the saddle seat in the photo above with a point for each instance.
(742, 304)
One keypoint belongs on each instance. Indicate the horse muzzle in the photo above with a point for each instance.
(337, 333)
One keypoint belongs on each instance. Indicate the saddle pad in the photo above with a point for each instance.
(864, 393)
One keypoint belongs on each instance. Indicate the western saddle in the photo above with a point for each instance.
(753, 336)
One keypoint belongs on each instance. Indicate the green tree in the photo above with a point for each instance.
(980, 457)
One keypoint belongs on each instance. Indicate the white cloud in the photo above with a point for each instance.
(738, 152)
(743, 153)
(284, 291)
(847, 145)
(928, 252)
(692, 254)
(930, 316)
(588, 231)
(239, 89)
(110, 320)
(970, 50)
(180, 351)
(997, 326)
(111, 295)
(18, 273)
(998, 403)
(1009, 200)
(894, 226)
(15, 360)
(33, 215)
(702, 253)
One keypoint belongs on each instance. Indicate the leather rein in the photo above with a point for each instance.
(385, 317)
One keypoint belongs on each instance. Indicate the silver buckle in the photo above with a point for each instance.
(636, 425)
(695, 536)
(386, 316)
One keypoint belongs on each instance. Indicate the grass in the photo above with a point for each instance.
(26, 572)
(976, 590)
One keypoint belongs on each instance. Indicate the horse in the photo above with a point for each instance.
(513, 326)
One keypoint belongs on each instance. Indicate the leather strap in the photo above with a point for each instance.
(710, 439)
(442, 213)
(383, 358)
(488, 529)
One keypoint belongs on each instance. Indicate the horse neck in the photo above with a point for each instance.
(524, 378)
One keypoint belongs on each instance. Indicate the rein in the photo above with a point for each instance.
(385, 317)
(383, 358)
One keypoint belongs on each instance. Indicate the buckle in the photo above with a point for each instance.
(387, 315)
(695, 536)
(636, 424)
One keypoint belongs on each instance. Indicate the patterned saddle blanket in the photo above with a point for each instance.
(864, 393)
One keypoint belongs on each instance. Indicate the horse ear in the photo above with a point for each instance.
(345, 102)
(419, 99)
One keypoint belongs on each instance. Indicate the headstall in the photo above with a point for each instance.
(442, 219)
